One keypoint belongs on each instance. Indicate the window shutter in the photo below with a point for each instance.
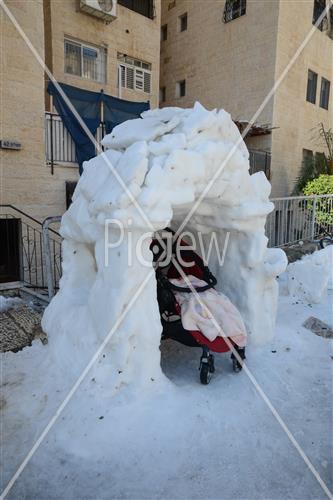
(139, 79)
(147, 82)
(130, 78)
(135, 74)
(122, 76)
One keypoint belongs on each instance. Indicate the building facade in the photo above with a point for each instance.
(83, 45)
(80, 49)
(231, 53)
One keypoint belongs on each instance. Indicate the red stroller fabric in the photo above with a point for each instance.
(220, 344)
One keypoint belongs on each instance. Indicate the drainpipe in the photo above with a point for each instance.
(47, 253)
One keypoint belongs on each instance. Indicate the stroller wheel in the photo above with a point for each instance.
(206, 366)
(236, 366)
(205, 374)
(211, 363)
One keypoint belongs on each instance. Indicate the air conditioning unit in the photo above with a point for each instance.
(104, 9)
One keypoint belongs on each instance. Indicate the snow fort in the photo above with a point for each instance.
(155, 171)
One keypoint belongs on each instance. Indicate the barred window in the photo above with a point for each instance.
(319, 7)
(85, 60)
(143, 7)
(135, 74)
(234, 9)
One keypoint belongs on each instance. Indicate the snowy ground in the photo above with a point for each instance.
(183, 440)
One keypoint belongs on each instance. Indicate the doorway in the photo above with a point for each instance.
(9, 250)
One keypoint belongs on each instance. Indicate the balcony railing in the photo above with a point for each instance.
(143, 7)
(59, 145)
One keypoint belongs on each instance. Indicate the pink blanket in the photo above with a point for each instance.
(214, 315)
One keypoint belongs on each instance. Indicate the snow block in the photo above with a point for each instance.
(310, 277)
(156, 170)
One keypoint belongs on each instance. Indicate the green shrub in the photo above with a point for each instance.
(311, 169)
(322, 185)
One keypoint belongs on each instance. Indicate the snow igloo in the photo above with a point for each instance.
(154, 170)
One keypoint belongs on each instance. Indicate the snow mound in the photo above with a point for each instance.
(7, 303)
(170, 161)
(310, 277)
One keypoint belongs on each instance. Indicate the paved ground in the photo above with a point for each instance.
(19, 321)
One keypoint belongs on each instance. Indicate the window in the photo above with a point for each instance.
(307, 157)
(311, 91)
(135, 74)
(318, 8)
(162, 94)
(70, 188)
(143, 7)
(164, 32)
(324, 93)
(181, 88)
(85, 61)
(183, 22)
(234, 9)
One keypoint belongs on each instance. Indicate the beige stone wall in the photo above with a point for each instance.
(224, 64)
(297, 120)
(131, 34)
(26, 180)
(235, 66)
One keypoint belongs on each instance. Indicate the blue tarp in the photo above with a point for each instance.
(88, 106)
(117, 111)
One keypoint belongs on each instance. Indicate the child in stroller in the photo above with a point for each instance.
(171, 290)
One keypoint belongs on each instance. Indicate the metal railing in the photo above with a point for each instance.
(299, 218)
(27, 242)
(59, 145)
(144, 7)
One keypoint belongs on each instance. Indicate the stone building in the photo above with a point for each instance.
(89, 44)
(82, 50)
(231, 53)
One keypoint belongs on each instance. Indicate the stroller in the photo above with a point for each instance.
(170, 309)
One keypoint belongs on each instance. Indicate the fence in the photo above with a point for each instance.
(299, 218)
(59, 145)
(23, 249)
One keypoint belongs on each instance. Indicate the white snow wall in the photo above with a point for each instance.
(166, 161)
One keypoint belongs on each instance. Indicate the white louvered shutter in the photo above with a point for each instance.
(138, 79)
(147, 82)
(129, 77)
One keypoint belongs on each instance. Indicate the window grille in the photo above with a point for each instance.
(234, 9)
(318, 8)
(85, 61)
(143, 7)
